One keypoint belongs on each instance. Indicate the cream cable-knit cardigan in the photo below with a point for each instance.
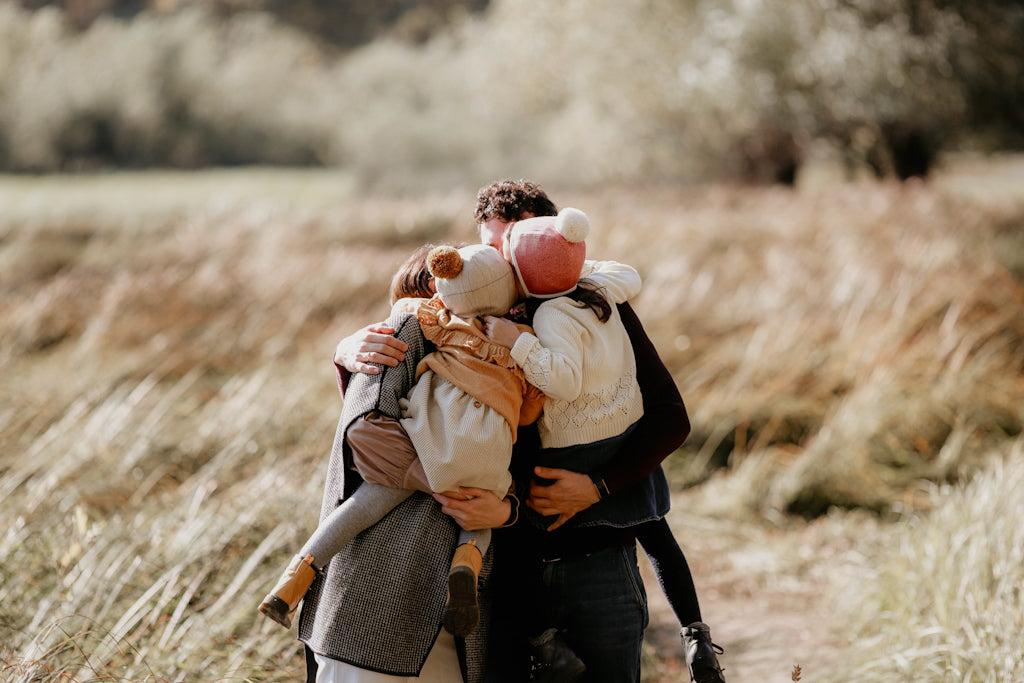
(585, 367)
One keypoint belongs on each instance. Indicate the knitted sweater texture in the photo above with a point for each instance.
(585, 367)
(469, 399)
(468, 359)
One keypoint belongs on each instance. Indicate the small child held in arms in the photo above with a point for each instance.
(457, 430)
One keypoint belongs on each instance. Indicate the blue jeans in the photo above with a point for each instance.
(599, 600)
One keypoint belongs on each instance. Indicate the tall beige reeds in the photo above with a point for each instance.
(943, 601)
(169, 399)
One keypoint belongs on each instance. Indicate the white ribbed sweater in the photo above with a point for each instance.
(585, 367)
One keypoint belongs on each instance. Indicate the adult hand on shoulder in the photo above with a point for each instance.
(372, 344)
(478, 508)
(570, 493)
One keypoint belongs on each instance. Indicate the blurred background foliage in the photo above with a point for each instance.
(851, 354)
(413, 93)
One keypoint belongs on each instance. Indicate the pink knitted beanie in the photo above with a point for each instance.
(547, 252)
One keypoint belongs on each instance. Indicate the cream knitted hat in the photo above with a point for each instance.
(472, 281)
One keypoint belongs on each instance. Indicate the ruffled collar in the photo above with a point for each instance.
(444, 328)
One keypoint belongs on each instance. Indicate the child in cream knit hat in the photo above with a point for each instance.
(458, 427)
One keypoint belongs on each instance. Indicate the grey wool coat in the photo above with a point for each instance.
(378, 603)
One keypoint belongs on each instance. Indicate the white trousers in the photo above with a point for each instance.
(442, 666)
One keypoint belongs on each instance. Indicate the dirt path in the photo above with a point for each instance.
(763, 591)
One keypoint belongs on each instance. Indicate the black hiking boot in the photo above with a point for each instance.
(552, 661)
(701, 654)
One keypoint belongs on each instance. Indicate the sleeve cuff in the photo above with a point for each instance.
(513, 516)
(602, 486)
(520, 351)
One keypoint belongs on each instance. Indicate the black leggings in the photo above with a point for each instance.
(671, 568)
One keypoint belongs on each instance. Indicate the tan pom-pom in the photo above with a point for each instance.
(444, 262)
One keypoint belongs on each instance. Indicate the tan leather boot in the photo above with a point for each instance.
(281, 603)
(462, 613)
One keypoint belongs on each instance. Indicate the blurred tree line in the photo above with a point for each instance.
(406, 91)
(345, 24)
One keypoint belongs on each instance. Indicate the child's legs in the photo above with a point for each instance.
(671, 568)
(383, 454)
(364, 508)
(481, 536)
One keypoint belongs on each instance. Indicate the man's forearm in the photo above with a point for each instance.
(664, 425)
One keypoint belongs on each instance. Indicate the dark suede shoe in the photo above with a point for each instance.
(701, 654)
(462, 612)
(552, 661)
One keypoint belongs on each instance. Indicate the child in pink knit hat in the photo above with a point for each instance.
(579, 354)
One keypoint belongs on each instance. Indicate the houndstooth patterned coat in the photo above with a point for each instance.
(379, 602)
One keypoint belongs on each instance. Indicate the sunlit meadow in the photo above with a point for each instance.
(851, 354)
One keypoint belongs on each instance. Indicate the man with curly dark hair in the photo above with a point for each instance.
(512, 199)
(503, 202)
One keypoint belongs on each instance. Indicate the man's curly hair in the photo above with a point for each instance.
(510, 199)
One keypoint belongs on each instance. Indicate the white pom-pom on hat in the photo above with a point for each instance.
(573, 224)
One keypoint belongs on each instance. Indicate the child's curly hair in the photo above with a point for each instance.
(510, 200)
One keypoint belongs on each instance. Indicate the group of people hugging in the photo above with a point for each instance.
(497, 459)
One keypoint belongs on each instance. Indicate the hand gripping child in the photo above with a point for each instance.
(458, 427)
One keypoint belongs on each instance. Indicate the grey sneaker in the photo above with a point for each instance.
(701, 654)
(552, 661)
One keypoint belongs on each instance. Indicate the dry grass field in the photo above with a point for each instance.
(852, 356)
